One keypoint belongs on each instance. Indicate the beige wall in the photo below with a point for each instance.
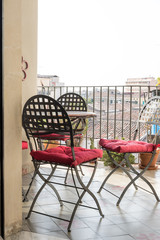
(19, 39)
(29, 53)
(12, 89)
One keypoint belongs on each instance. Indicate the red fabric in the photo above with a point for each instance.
(24, 145)
(54, 136)
(63, 155)
(121, 146)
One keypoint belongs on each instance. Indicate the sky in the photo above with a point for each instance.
(98, 42)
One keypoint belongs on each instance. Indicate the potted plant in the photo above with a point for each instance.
(50, 144)
(146, 157)
(118, 157)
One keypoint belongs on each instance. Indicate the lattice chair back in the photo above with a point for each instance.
(43, 115)
(149, 114)
(72, 102)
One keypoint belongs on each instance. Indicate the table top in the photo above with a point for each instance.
(81, 114)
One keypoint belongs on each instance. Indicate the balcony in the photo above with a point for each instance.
(137, 217)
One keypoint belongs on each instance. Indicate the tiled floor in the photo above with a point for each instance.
(137, 217)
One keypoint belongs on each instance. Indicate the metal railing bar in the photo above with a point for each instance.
(115, 106)
(122, 110)
(130, 129)
(107, 112)
(100, 112)
(93, 111)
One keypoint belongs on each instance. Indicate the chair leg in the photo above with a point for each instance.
(105, 180)
(117, 166)
(65, 180)
(86, 189)
(25, 199)
(140, 175)
(74, 182)
(81, 170)
(46, 181)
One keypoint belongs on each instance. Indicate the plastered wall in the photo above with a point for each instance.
(12, 90)
(19, 43)
(29, 55)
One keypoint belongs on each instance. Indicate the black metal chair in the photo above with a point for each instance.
(74, 102)
(149, 116)
(70, 102)
(42, 115)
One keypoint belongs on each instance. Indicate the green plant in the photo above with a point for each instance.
(92, 144)
(118, 157)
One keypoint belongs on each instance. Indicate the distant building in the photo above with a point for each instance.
(46, 84)
(147, 81)
(48, 81)
(142, 85)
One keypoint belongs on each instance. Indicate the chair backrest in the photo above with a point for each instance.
(72, 102)
(44, 115)
(149, 114)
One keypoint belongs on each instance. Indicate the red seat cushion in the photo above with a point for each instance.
(55, 136)
(121, 146)
(24, 145)
(63, 155)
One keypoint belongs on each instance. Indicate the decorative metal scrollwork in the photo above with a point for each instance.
(24, 68)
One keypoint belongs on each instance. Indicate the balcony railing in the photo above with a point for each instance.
(117, 109)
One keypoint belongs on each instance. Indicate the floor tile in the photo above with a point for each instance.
(58, 235)
(109, 231)
(82, 234)
(121, 218)
(124, 237)
(134, 227)
(152, 223)
(76, 224)
(146, 236)
(96, 221)
(35, 236)
(42, 227)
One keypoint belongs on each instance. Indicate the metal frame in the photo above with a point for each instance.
(44, 115)
(149, 110)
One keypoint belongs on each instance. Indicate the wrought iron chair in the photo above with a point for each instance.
(149, 115)
(70, 102)
(42, 115)
(74, 102)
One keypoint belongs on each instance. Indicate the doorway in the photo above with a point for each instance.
(1, 135)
